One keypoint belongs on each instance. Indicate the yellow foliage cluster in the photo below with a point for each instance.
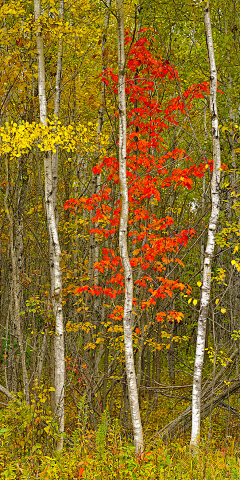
(19, 139)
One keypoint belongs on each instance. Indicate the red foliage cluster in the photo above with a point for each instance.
(151, 169)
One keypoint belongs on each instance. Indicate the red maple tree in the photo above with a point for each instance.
(151, 171)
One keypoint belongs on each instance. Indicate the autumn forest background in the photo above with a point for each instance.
(64, 396)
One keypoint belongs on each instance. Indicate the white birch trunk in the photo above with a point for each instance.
(204, 188)
(215, 193)
(56, 114)
(127, 318)
(54, 248)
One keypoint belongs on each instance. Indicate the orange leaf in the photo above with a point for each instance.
(81, 470)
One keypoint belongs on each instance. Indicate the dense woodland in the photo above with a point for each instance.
(119, 218)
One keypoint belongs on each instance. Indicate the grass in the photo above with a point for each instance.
(107, 454)
(28, 436)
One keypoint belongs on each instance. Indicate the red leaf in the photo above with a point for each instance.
(81, 470)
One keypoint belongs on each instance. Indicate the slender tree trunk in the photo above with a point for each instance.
(99, 132)
(54, 247)
(105, 381)
(215, 193)
(203, 200)
(140, 352)
(41, 357)
(56, 114)
(16, 292)
(170, 352)
(123, 247)
(96, 179)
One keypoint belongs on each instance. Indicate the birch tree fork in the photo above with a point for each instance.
(54, 247)
(213, 221)
(127, 269)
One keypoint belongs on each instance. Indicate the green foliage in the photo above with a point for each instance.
(27, 430)
(105, 455)
(101, 436)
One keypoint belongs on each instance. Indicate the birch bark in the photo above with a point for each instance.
(56, 114)
(215, 194)
(54, 246)
(127, 317)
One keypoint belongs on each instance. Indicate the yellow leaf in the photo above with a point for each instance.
(199, 284)
(216, 301)
(190, 299)
(195, 302)
(223, 310)
(236, 249)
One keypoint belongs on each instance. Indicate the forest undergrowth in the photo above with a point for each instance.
(29, 435)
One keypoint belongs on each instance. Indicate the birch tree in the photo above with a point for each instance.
(57, 100)
(54, 246)
(123, 247)
(213, 221)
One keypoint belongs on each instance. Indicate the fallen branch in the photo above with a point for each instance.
(230, 409)
(208, 403)
(6, 392)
